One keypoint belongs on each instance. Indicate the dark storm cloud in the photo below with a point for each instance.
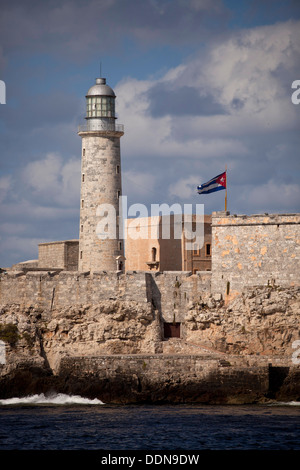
(181, 101)
(82, 29)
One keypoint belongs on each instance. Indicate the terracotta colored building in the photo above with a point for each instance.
(160, 244)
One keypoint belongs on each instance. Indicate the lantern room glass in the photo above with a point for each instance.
(100, 106)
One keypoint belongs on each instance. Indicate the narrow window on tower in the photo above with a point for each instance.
(120, 246)
(82, 203)
(83, 177)
(118, 169)
(118, 193)
(81, 255)
(82, 228)
(83, 152)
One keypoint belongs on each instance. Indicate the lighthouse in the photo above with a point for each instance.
(100, 243)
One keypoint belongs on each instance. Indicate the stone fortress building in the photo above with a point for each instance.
(113, 312)
(238, 251)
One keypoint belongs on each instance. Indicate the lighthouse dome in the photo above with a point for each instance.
(101, 89)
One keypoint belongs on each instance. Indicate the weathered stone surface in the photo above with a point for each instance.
(261, 321)
(254, 250)
(115, 350)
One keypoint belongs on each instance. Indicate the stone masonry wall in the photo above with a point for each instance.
(170, 293)
(254, 250)
(155, 378)
(51, 290)
(100, 190)
(60, 254)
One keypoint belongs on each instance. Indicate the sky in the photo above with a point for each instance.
(200, 85)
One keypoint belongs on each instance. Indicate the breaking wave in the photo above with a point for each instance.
(289, 403)
(54, 399)
(285, 403)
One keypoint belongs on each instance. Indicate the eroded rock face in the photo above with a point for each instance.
(262, 322)
(111, 327)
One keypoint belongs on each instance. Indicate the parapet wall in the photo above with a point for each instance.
(168, 292)
(247, 251)
(255, 250)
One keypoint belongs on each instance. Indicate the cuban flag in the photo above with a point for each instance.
(215, 184)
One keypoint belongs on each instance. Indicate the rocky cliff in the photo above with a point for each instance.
(258, 327)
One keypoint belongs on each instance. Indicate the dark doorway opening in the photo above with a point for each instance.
(172, 330)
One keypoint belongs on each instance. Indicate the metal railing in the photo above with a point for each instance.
(95, 125)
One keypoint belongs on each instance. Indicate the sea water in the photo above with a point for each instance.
(62, 422)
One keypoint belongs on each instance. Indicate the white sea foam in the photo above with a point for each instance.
(54, 399)
(285, 403)
(289, 403)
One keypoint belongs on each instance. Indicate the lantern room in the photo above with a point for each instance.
(100, 101)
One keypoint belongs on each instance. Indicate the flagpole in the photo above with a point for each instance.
(226, 190)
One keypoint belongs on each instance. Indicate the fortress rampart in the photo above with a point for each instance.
(247, 251)
(256, 250)
(109, 334)
(168, 292)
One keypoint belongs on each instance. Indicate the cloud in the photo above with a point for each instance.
(181, 101)
(208, 106)
(78, 29)
(185, 188)
(275, 195)
(138, 183)
(53, 181)
(40, 204)
(231, 105)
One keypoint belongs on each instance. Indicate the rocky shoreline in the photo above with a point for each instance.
(23, 382)
(231, 353)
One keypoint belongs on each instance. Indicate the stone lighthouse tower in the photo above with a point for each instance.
(100, 245)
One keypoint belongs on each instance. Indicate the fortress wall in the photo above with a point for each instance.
(254, 250)
(247, 251)
(169, 292)
(173, 291)
(60, 254)
(190, 378)
(54, 290)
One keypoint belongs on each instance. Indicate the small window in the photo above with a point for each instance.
(208, 249)
(81, 255)
(120, 246)
(82, 203)
(118, 169)
(153, 251)
(118, 193)
(83, 152)
(81, 228)
(83, 177)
